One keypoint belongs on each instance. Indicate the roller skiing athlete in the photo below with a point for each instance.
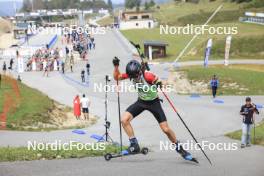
(146, 84)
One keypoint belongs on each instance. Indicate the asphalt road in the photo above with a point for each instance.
(209, 121)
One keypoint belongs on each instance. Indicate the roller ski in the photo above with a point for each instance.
(133, 149)
(185, 155)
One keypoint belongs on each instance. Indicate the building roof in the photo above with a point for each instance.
(136, 12)
(154, 43)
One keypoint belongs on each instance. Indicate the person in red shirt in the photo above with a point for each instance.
(146, 84)
(77, 107)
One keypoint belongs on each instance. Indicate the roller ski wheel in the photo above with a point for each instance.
(144, 150)
(133, 149)
(108, 156)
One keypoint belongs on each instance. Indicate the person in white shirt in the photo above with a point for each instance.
(85, 103)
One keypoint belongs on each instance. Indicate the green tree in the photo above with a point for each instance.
(152, 3)
(138, 2)
(38, 4)
(27, 6)
(130, 4)
(110, 4)
(146, 5)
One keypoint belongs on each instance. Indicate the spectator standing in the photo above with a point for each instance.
(77, 107)
(67, 51)
(11, 63)
(83, 76)
(71, 62)
(63, 67)
(46, 69)
(88, 68)
(214, 83)
(4, 68)
(85, 103)
(247, 111)
(90, 45)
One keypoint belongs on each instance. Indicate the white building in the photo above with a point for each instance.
(135, 20)
(103, 11)
(253, 17)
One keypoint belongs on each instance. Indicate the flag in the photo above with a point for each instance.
(227, 49)
(207, 52)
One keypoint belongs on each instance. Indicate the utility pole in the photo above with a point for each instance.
(32, 5)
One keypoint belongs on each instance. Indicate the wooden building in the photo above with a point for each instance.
(155, 49)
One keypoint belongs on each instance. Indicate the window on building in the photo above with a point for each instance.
(145, 17)
(133, 17)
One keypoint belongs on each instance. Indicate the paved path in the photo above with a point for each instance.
(208, 121)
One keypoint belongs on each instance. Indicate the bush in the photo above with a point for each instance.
(240, 47)
(256, 4)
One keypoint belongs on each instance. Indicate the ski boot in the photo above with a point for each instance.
(134, 147)
(186, 155)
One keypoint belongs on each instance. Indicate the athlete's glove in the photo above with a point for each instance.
(116, 61)
(145, 66)
(159, 83)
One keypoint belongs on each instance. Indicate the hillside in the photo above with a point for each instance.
(5, 26)
(181, 14)
(25, 108)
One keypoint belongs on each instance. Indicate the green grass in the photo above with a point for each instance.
(32, 106)
(225, 16)
(251, 81)
(106, 21)
(4, 88)
(170, 13)
(196, 50)
(248, 47)
(180, 14)
(259, 134)
(8, 154)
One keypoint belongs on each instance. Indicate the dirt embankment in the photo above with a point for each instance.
(62, 117)
(6, 34)
(5, 26)
(182, 85)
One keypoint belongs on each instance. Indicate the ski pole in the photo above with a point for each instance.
(254, 132)
(175, 110)
(119, 115)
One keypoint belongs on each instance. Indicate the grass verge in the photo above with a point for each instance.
(237, 80)
(8, 154)
(259, 134)
(106, 21)
(245, 45)
(24, 108)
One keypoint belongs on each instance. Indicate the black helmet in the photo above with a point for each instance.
(133, 68)
(248, 99)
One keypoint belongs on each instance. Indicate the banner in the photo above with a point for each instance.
(20, 64)
(207, 52)
(227, 49)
